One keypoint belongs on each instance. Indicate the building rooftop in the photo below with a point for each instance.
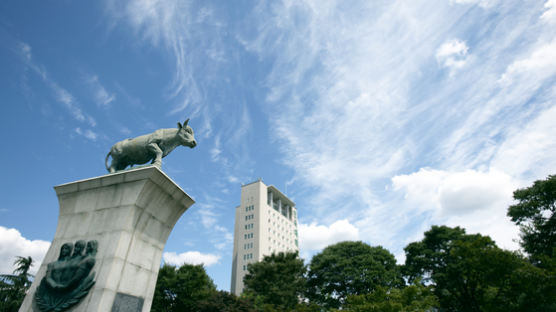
(283, 197)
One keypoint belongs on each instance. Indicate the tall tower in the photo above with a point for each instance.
(266, 223)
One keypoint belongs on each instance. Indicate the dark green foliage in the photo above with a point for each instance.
(223, 301)
(13, 287)
(350, 268)
(527, 288)
(535, 213)
(181, 289)
(470, 273)
(278, 280)
(426, 256)
(416, 297)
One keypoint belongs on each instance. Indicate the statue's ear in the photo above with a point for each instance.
(185, 123)
(179, 125)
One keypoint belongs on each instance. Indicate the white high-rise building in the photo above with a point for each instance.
(266, 223)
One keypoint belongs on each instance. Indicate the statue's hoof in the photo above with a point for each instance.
(157, 164)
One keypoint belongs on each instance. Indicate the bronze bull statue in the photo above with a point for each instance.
(153, 146)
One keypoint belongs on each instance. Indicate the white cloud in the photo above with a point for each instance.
(125, 130)
(313, 237)
(13, 244)
(232, 179)
(529, 152)
(208, 217)
(190, 257)
(549, 15)
(102, 97)
(475, 200)
(481, 3)
(452, 54)
(87, 133)
(25, 51)
(216, 151)
(539, 65)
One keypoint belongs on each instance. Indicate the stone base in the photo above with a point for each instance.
(131, 215)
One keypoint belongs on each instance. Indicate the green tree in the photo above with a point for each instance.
(350, 268)
(535, 213)
(427, 256)
(416, 297)
(13, 287)
(278, 280)
(470, 273)
(223, 301)
(181, 289)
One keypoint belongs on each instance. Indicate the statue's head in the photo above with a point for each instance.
(65, 251)
(92, 247)
(185, 133)
(78, 248)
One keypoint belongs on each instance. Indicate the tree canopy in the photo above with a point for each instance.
(470, 273)
(350, 268)
(415, 297)
(181, 289)
(223, 301)
(13, 287)
(535, 213)
(278, 280)
(423, 258)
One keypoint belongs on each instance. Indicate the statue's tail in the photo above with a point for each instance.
(106, 160)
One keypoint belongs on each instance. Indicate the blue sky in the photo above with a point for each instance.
(378, 118)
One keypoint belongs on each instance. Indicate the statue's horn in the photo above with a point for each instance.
(185, 123)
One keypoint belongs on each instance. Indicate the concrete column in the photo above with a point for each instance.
(130, 214)
(289, 212)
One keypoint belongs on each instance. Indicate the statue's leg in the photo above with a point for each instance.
(153, 147)
(113, 166)
(121, 166)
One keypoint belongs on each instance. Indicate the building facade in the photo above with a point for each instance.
(266, 223)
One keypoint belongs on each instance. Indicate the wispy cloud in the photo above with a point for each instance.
(550, 14)
(539, 65)
(482, 3)
(210, 214)
(102, 97)
(168, 24)
(357, 98)
(61, 95)
(87, 133)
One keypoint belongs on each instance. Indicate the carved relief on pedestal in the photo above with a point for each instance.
(68, 279)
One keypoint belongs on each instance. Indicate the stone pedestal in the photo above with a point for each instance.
(130, 214)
